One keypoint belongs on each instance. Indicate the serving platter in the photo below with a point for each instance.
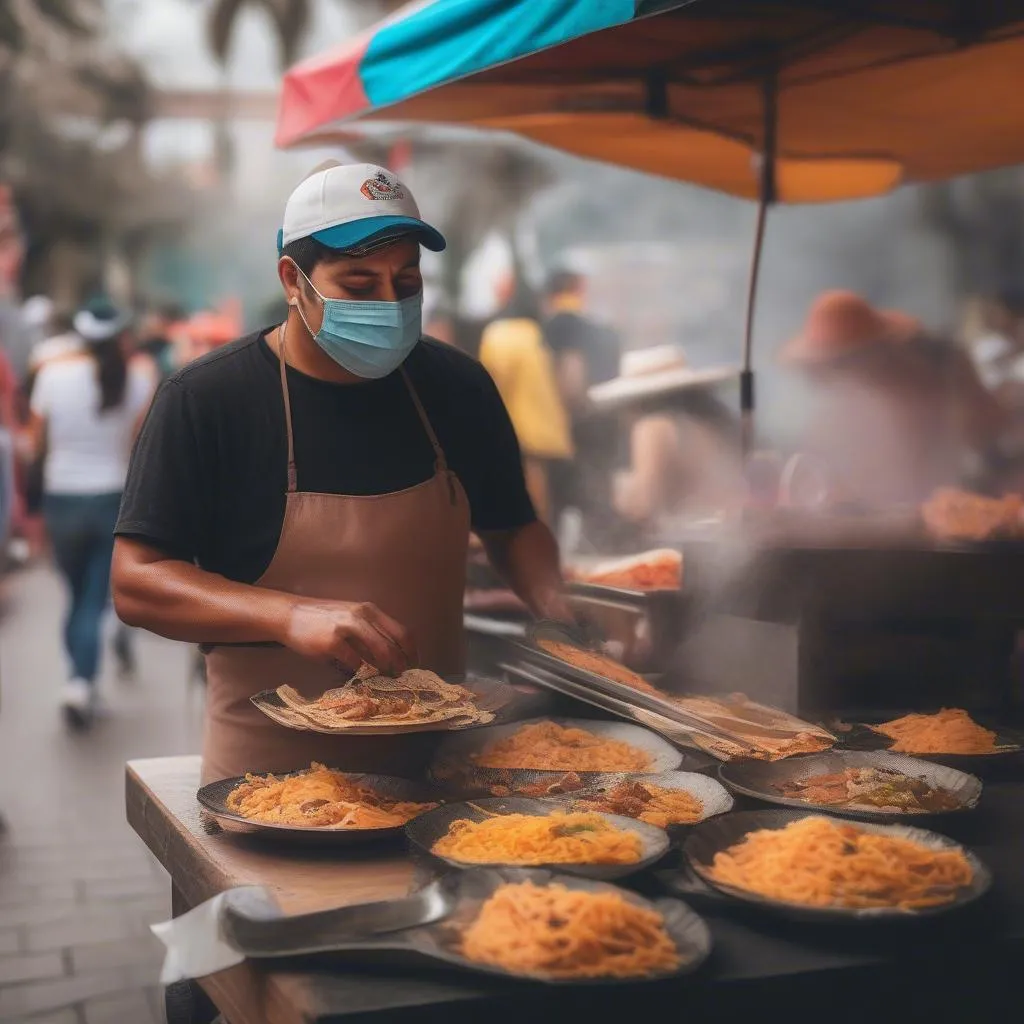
(855, 732)
(428, 828)
(454, 766)
(424, 929)
(213, 797)
(760, 779)
(500, 699)
(694, 759)
(718, 834)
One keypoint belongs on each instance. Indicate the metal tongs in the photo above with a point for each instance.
(681, 717)
(679, 732)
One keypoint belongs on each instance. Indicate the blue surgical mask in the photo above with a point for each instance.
(369, 339)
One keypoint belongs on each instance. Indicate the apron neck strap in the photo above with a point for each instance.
(440, 462)
(293, 477)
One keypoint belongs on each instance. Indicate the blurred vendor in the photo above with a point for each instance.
(683, 441)
(300, 500)
(515, 354)
(898, 413)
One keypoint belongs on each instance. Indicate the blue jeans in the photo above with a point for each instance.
(81, 529)
(7, 485)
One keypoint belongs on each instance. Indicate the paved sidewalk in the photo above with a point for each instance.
(77, 889)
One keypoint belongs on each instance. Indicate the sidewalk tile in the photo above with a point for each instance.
(127, 1008)
(140, 952)
(84, 928)
(20, 1001)
(33, 967)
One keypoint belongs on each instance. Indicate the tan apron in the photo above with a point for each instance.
(404, 552)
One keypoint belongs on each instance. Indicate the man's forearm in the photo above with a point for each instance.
(180, 601)
(528, 561)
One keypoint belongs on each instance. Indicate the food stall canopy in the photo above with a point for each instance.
(853, 98)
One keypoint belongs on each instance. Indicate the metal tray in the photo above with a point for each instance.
(428, 828)
(640, 599)
(714, 797)
(213, 798)
(719, 834)
(757, 779)
(694, 758)
(497, 697)
(684, 719)
(423, 930)
(860, 736)
(453, 764)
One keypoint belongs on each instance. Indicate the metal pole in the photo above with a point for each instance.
(767, 195)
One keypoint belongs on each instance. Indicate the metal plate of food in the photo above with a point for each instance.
(317, 808)
(511, 755)
(693, 758)
(462, 921)
(857, 784)
(726, 728)
(670, 800)
(485, 702)
(970, 745)
(617, 846)
(793, 863)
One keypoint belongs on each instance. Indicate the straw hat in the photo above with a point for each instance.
(842, 323)
(660, 370)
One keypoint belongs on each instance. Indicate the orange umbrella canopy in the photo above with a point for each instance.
(852, 97)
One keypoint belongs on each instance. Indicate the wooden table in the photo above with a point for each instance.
(956, 969)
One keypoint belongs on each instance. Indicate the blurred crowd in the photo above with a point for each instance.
(74, 390)
(621, 443)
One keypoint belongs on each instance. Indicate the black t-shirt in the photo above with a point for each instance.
(208, 475)
(599, 345)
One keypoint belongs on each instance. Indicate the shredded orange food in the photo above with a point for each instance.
(959, 515)
(531, 839)
(598, 664)
(949, 731)
(319, 798)
(567, 933)
(549, 746)
(660, 570)
(644, 801)
(821, 863)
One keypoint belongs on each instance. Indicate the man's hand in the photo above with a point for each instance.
(349, 634)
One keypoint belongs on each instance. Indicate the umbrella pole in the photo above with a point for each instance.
(765, 199)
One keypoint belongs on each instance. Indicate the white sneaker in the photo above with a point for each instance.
(78, 700)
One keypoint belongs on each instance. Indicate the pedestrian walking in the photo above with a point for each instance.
(86, 408)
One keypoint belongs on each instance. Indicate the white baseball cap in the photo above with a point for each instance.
(354, 206)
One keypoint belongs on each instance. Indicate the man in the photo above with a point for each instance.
(300, 500)
(586, 353)
(156, 338)
(899, 412)
(513, 351)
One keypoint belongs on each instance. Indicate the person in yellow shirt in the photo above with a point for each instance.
(514, 353)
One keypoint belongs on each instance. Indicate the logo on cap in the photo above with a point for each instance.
(380, 186)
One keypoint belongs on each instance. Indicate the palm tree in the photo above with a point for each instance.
(290, 19)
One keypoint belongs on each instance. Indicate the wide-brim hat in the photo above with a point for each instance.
(654, 372)
(100, 321)
(841, 324)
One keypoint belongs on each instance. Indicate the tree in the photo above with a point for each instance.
(290, 19)
(83, 195)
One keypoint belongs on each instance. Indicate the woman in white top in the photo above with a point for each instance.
(86, 408)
